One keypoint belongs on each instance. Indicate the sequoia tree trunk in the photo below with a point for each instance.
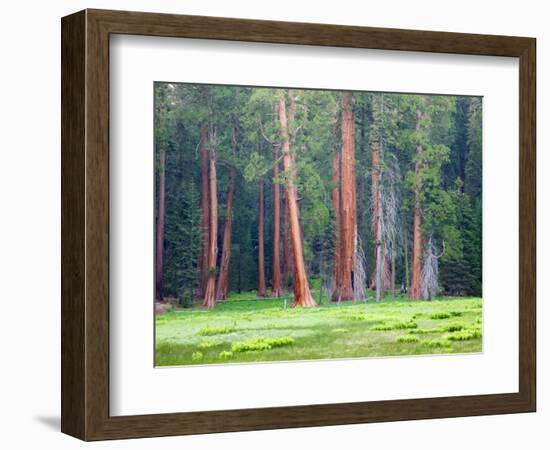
(302, 294)
(276, 286)
(337, 274)
(261, 250)
(210, 288)
(415, 292)
(159, 263)
(204, 212)
(287, 259)
(348, 200)
(223, 277)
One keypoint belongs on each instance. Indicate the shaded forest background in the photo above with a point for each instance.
(405, 169)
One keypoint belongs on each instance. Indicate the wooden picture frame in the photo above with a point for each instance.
(85, 224)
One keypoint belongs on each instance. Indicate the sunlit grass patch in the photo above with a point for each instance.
(210, 343)
(440, 315)
(197, 356)
(424, 330)
(212, 331)
(407, 339)
(436, 343)
(356, 317)
(224, 354)
(398, 325)
(452, 327)
(261, 344)
(465, 335)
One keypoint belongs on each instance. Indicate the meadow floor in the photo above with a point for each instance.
(247, 329)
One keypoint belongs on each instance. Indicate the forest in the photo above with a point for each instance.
(314, 197)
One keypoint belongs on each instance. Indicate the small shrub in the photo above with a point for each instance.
(185, 298)
(212, 331)
(260, 344)
(225, 354)
(407, 339)
(197, 356)
(405, 325)
(465, 335)
(356, 317)
(424, 330)
(453, 327)
(456, 313)
(397, 325)
(436, 343)
(440, 316)
(209, 343)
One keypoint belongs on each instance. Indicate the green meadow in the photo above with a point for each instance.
(247, 329)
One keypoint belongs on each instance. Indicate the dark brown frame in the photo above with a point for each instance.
(85, 224)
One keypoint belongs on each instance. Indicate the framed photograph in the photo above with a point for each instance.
(273, 225)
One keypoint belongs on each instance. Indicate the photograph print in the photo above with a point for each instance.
(298, 224)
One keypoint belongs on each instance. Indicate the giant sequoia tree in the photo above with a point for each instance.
(347, 200)
(222, 285)
(276, 287)
(302, 294)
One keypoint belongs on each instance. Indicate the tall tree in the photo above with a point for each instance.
(302, 294)
(159, 265)
(204, 211)
(161, 141)
(473, 170)
(385, 175)
(276, 285)
(415, 292)
(348, 200)
(287, 259)
(337, 269)
(434, 216)
(210, 289)
(261, 244)
(223, 277)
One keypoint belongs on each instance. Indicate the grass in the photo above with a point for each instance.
(247, 329)
(261, 344)
(407, 339)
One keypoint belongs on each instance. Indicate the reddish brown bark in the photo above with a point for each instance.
(210, 287)
(287, 259)
(302, 294)
(261, 248)
(276, 286)
(222, 283)
(415, 292)
(337, 273)
(204, 212)
(348, 199)
(223, 277)
(159, 262)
